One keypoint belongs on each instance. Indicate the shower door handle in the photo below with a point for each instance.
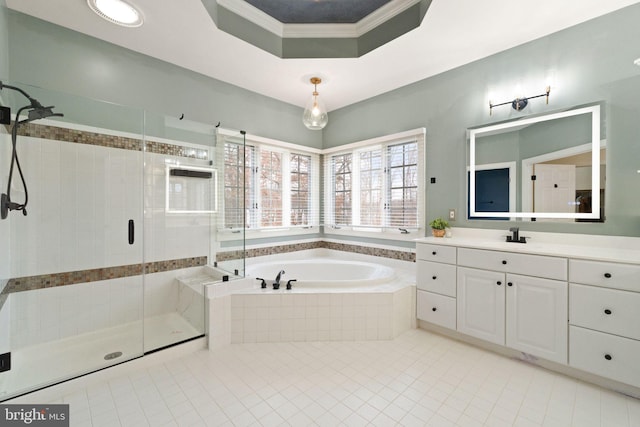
(131, 231)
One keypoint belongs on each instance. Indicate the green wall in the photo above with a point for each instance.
(591, 62)
(588, 63)
(56, 58)
(4, 40)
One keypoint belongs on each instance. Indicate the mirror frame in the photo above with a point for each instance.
(594, 110)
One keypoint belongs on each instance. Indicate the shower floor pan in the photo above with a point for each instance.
(49, 363)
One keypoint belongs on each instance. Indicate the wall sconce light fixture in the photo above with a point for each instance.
(520, 103)
(315, 116)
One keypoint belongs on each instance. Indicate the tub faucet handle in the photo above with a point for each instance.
(289, 283)
(264, 282)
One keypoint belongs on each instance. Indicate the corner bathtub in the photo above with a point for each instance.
(333, 299)
(324, 273)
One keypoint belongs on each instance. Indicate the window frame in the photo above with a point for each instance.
(252, 227)
(357, 228)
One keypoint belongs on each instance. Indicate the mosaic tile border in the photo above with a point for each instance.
(282, 249)
(29, 283)
(56, 133)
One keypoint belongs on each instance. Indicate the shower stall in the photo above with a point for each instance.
(111, 258)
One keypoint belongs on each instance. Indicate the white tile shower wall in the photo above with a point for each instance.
(171, 235)
(282, 317)
(80, 200)
(53, 313)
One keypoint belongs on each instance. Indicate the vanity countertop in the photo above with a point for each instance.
(582, 251)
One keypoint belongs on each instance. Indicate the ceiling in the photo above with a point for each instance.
(317, 12)
(453, 33)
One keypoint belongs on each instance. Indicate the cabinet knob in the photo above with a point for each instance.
(509, 284)
(498, 283)
(608, 356)
(504, 262)
(433, 253)
(434, 277)
(433, 309)
(607, 311)
(607, 275)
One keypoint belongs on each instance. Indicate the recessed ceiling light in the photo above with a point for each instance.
(637, 62)
(117, 12)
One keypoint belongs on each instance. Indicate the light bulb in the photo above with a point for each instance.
(315, 115)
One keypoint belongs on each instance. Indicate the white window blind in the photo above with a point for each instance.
(376, 186)
(301, 197)
(269, 187)
(239, 164)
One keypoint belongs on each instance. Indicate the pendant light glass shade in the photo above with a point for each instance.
(315, 116)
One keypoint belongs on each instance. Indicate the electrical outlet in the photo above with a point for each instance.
(452, 214)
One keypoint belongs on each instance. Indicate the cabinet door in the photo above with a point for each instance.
(537, 317)
(481, 304)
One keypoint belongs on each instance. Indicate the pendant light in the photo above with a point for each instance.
(315, 113)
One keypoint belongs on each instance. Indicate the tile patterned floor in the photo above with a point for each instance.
(418, 379)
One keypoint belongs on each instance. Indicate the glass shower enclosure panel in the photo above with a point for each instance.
(236, 161)
(181, 204)
(71, 272)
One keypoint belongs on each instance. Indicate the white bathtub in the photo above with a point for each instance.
(323, 273)
(338, 296)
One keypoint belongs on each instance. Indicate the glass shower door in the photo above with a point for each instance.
(71, 272)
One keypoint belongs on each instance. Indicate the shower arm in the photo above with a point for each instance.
(34, 102)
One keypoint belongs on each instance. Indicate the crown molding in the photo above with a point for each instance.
(366, 24)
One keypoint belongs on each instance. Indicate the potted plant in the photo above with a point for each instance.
(438, 226)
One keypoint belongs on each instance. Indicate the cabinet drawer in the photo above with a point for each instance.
(436, 277)
(437, 309)
(436, 253)
(605, 310)
(606, 355)
(509, 262)
(606, 274)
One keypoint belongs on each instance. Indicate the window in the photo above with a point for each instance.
(341, 174)
(269, 187)
(238, 164)
(300, 189)
(376, 185)
(403, 185)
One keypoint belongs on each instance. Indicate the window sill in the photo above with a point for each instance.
(236, 234)
(373, 233)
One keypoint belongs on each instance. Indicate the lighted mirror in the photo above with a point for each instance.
(544, 168)
(191, 189)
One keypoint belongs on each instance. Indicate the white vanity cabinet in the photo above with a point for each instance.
(604, 332)
(506, 298)
(522, 312)
(577, 306)
(436, 284)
